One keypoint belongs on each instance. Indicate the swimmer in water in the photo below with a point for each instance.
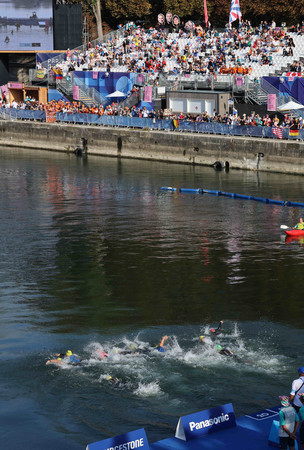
(116, 381)
(101, 354)
(135, 351)
(227, 352)
(160, 346)
(202, 339)
(68, 357)
(216, 331)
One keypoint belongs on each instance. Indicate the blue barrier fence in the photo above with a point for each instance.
(152, 124)
(23, 114)
(158, 124)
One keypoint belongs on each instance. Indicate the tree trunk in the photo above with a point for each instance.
(97, 13)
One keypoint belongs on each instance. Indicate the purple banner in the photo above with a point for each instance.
(15, 85)
(239, 81)
(271, 102)
(76, 92)
(148, 94)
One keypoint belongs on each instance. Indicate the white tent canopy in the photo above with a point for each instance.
(290, 106)
(118, 94)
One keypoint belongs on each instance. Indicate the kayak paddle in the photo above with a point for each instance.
(284, 227)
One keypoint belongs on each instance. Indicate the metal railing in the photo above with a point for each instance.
(132, 100)
(65, 85)
(281, 97)
(6, 114)
(89, 95)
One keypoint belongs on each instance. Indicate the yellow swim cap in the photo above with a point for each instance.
(59, 359)
(201, 337)
(109, 377)
(69, 353)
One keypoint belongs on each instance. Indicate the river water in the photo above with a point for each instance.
(95, 256)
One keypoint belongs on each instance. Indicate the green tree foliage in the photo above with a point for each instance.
(290, 12)
(126, 10)
(185, 9)
(219, 12)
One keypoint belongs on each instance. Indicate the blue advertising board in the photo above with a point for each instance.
(204, 422)
(129, 441)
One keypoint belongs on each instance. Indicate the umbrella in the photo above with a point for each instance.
(118, 94)
(290, 106)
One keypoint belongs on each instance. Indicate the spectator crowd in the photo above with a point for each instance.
(195, 50)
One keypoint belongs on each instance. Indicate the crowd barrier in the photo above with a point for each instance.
(167, 124)
(23, 114)
(153, 124)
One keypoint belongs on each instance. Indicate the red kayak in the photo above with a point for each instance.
(294, 232)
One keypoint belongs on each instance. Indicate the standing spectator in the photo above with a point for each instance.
(301, 414)
(289, 423)
(297, 388)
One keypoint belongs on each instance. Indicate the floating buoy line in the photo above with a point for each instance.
(233, 195)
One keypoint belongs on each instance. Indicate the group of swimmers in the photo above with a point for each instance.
(72, 359)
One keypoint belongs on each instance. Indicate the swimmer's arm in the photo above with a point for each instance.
(50, 361)
(164, 338)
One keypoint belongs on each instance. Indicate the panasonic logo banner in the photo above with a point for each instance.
(128, 441)
(205, 422)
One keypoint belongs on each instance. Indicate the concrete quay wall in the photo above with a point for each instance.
(188, 148)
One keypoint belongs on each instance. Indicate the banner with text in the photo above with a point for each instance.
(205, 422)
(129, 441)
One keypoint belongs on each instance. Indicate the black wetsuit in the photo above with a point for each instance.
(117, 382)
(217, 330)
(139, 351)
(226, 352)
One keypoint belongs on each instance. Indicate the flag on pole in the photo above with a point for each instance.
(235, 11)
(206, 13)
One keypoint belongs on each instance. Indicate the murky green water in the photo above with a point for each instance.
(94, 255)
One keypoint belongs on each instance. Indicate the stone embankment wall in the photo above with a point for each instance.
(188, 148)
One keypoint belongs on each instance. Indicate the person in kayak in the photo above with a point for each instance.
(160, 346)
(300, 224)
(216, 331)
